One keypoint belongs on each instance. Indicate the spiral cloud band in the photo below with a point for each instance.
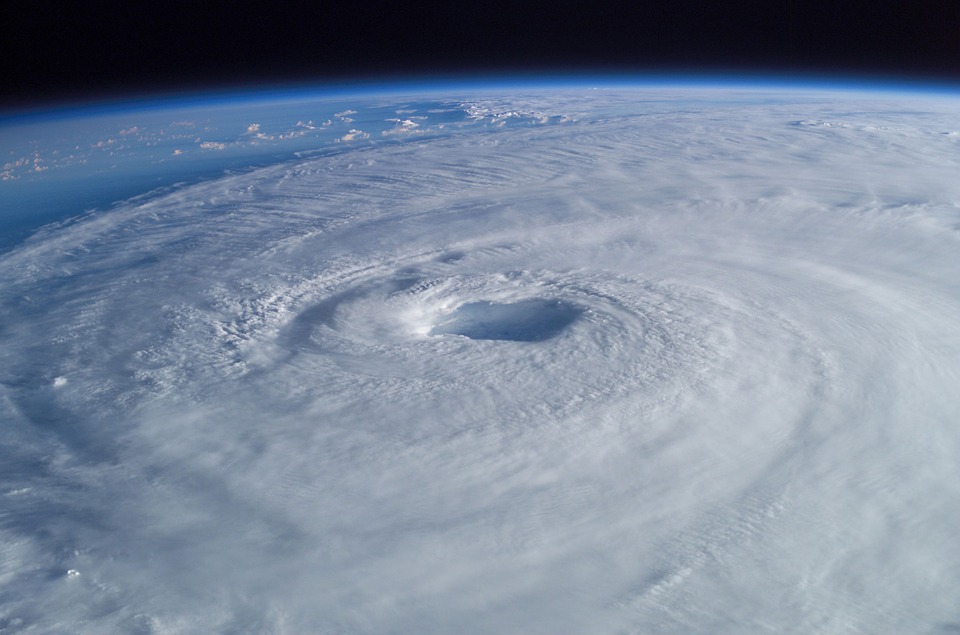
(676, 361)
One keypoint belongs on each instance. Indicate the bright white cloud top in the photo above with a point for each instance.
(653, 361)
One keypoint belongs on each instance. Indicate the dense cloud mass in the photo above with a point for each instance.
(677, 362)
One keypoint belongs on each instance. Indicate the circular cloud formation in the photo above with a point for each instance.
(677, 362)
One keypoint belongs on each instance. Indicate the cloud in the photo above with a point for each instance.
(404, 126)
(354, 135)
(614, 375)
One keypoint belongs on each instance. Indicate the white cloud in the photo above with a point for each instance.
(312, 398)
(403, 126)
(354, 135)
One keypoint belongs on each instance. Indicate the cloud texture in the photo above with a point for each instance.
(677, 362)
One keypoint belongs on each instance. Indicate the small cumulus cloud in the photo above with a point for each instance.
(9, 170)
(354, 135)
(254, 131)
(38, 163)
(404, 126)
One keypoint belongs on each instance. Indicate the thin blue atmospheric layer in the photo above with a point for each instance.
(533, 320)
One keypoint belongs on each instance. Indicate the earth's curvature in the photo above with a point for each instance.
(564, 359)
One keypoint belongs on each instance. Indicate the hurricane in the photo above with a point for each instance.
(620, 361)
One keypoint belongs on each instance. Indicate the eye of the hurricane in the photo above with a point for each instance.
(533, 320)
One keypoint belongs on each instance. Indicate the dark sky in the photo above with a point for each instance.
(92, 50)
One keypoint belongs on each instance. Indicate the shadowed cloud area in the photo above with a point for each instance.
(524, 321)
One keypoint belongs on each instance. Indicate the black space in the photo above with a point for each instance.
(93, 50)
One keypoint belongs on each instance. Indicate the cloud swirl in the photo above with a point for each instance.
(679, 362)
